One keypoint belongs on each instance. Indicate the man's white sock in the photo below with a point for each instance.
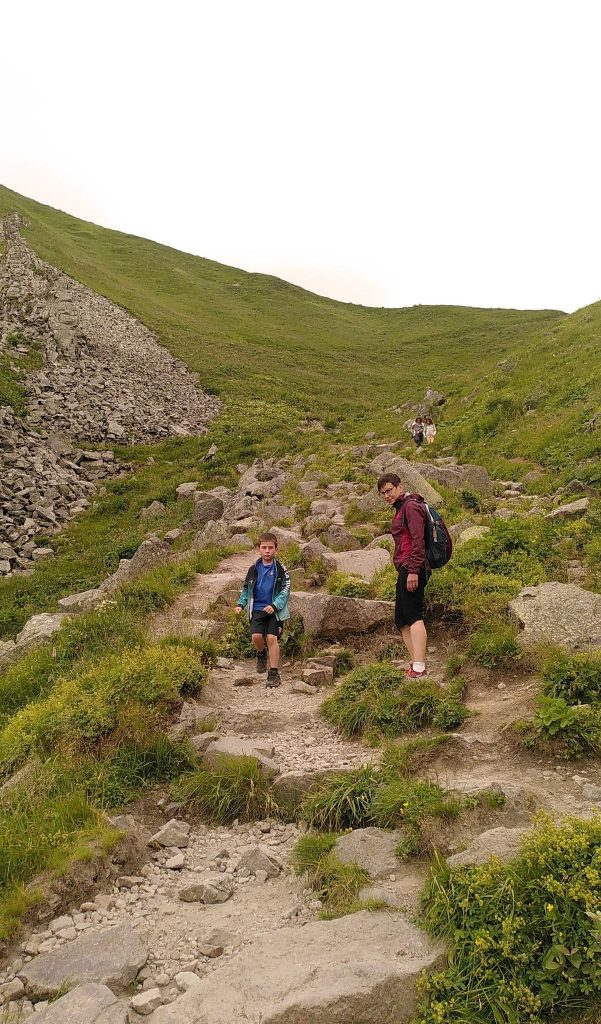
(419, 666)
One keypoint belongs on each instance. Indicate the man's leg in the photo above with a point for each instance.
(406, 635)
(419, 642)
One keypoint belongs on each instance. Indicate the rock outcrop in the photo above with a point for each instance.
(558, 613)
(104, 377)
(353, 970)
(334, 618)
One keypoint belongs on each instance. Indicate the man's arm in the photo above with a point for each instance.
(416, 524)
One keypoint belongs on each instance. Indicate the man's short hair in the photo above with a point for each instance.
(388, 478)
(269, 538)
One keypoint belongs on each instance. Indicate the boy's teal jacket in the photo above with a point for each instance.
(281, 590)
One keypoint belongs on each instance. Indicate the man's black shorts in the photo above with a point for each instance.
(266, 623)
(409, 606)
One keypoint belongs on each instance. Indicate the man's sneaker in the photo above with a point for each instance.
(273, 677)
(412, 674)
(262, 661)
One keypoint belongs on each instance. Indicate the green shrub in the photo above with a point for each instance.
(336, 884)
(494, 644)
(82, 709)
(345, 584)
(292, 641)
(380, 699)
(573, 729)
(204, 647)
(113, 780)
(342, 801)
(235, 787)
(575, 677)
(525, 937)
(290, 555)
(236, 642)
(383, 584)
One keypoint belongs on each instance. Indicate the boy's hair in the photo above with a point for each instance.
(388, 478)
(269, 538)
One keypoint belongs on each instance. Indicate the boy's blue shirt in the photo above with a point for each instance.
(264, 584)
(279, 596)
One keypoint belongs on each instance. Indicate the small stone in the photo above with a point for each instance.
(224, 663)
(12, 990)
(210, 949)
(174, 833)
(186, 980)
(175, 863)
(146, 1002)
(592, 792)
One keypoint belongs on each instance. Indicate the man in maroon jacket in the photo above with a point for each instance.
(408, 532)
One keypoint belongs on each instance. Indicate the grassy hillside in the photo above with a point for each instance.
(277, 354)
(273, 350)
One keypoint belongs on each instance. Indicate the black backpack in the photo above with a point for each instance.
(439, 543)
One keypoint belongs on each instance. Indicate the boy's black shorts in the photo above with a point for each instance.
(409, 606)
(266, 623)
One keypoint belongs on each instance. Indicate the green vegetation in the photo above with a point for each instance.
(494, 644)
(336, 884)
(575, 677)
(345, 584)
(567, 720)
(235, 787)
(390, 796)
(378, 700)
(13, 368)
(525, 937)
(561, 728)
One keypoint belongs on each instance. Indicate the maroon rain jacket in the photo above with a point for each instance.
(408, 530)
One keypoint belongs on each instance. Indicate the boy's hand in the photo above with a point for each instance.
(269, 609)
(238, 609)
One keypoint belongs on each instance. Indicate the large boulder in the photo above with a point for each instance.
(457, 477)
(411, 478)
(205, 507)
(558, 613)
(290, 788)
(85, 1004)
(372, 849)
(332, 617)
(353, 970)
(364, 563)
(215, 533)
(503, 843)
(573, 508)
(112, 958)
(35, 631)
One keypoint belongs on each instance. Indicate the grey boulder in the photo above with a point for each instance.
(111, 958)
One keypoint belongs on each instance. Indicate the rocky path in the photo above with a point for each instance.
(216, 927)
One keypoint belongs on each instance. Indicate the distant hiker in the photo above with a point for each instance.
(417, 430)
(430, 430)
(265, 595)
(408, 531)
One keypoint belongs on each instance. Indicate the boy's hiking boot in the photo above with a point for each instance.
(412, 674)
(273, 677)
(262, 661)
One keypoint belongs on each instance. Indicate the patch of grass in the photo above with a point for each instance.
(380, 700)
(525, 937)
(236, 642)
(344, 584)
(342, 801)
(204, 647)
(292, 642)
(336, 884)
(235, 787)
(494, 644)
(88, 706)
(561, 728)
(574, 677)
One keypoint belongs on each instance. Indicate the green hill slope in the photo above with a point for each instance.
(278, 353)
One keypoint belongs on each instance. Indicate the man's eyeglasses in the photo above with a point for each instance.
(386, 491)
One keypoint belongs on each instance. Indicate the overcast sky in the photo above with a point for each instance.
(387, 153)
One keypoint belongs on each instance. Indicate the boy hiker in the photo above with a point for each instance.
(265, 595)
(408, 532)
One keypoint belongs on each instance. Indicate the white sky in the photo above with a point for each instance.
(390, 153)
